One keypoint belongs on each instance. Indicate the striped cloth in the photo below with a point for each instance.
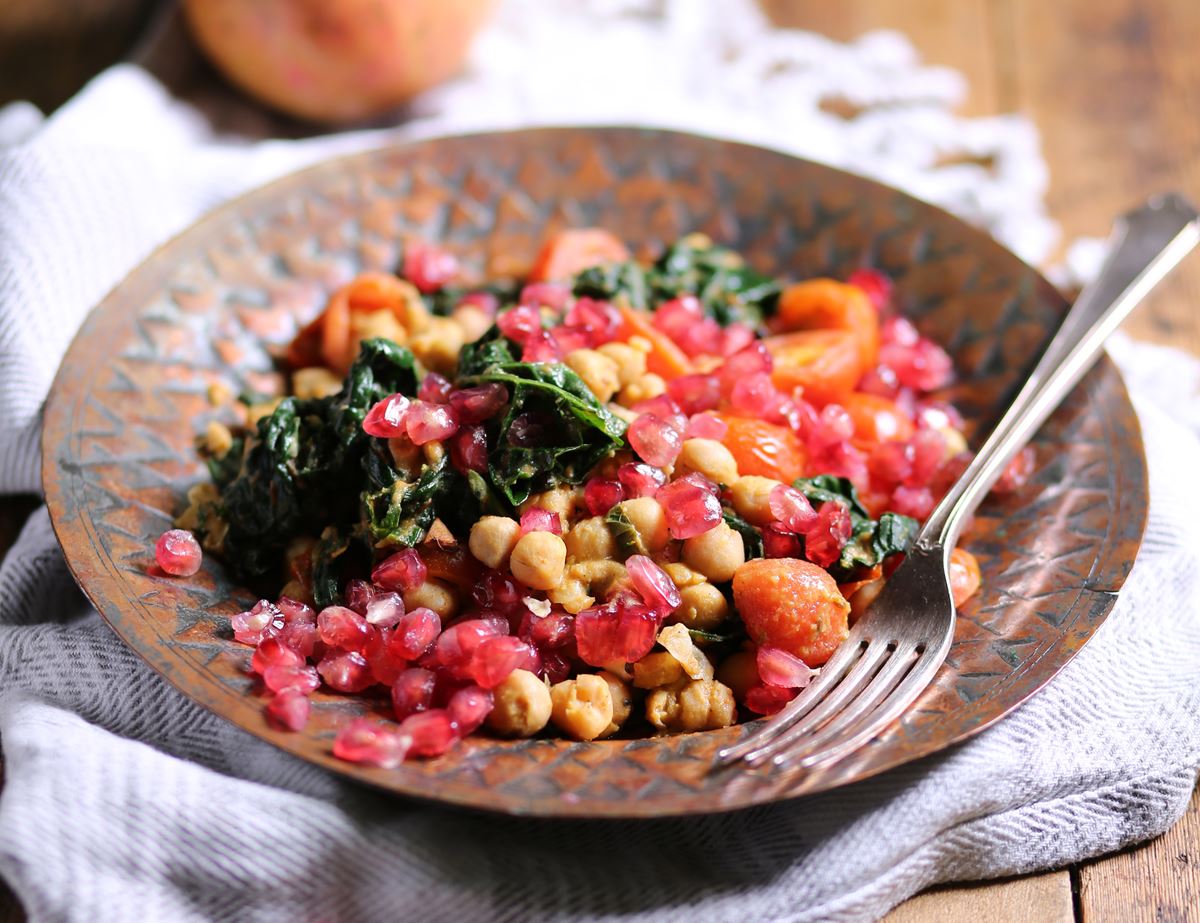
(122, 800)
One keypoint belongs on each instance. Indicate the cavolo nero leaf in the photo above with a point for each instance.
(611, 281)
(751, 538)
(728, 289)
(400, 513)
(628, 539)
(301, 470)
(325, 566)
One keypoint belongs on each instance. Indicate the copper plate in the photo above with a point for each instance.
(208, 306)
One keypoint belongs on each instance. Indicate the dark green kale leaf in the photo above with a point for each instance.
(491, 349)
(727, 288)
(399, 513)
(225, 468)
(751, 537)
(628, 539)
(326, 570)
(871, 541)
(301, 471)
(446, 299)
(554, 431)
(611, 281)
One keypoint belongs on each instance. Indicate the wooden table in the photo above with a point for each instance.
(1114, 86)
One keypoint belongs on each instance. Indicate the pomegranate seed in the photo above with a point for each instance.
(385, 610)
(541, 347)
(427, 267)
(469, 707)
(295, 612)
(880, 380)
(950, 471)
(570, 337)
(497, 657)
(779, 544)
(178, 553)
(665, 409)
(755, 395)
(657, 590)
(359, 594)
(877, 286)
(656, 441)
(272, 651)
(540, 519)
(500, 592)
(690, 509)
(343, 628)
(469, 450)
(912, 501)
(555, 630)
(520, 323)
(412, 691)
(824, 541)
(414, 633)
(791, 509)
(767, 700)
(386, 419)
(706, 426)
(602, 321)
(703, 338)
(430, 422)
(833, 425)
(401, 572)
(929, 451)
(556, 666)
(898, 331)
(474, 405)
(372, 743)
(288, 710)
(735, 338)
(345, 671)
(611, 634)
(752, 360)
(674, 317)
(922, 366)
(779, 668)
(484, 301)
(434, 389)
(891, 462)
(640, 480)
(385, 665)
(456, 645)
(263, 621)
(529, 430)
(938, 415)
(1016, 473)
(432, 732)
(843, 460)
(301, 637)
(552, 295)
(695, 393)
(296, 677)
(600, 495)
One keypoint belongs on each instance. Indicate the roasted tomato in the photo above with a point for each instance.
(876, 419)
(825, 363)
(764, 448)
(569, 252)
(823, 304)
(793, 605)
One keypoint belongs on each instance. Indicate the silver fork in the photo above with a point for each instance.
(894, 650)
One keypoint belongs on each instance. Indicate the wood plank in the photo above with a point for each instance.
(1155, 883)
(1043, 898)
(950, 33)
(1114, 86)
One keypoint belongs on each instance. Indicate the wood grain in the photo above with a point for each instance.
(1041, 898)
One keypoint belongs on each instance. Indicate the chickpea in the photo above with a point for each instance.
(622, 702)
(215, 531)
(682, 575)
(316, 382)
(438, 345)
(600, 577)
(751, 497)
(657, 669)
(371, 324)
(218, 393)
(572, 595)
(716, 553)
(590, 540)
(407, 458)
(417, 317)
(522, 705)
(433, 594)
(598, 372)
(198, 496)
(582, 707)
(561, 500)
(623, 412)
(642, 389)
(702, 607)
(433, 452)
(701, 705)
(539, 560)
(473, 321)
(739, 672)
(493, 539)
(648, 518)
(708, 457)
(631, 361)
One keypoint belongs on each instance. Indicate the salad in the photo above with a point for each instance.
(609, 498)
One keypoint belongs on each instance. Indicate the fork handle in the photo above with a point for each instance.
(1145, 245)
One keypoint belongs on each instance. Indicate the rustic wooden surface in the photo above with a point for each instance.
(1114, 86)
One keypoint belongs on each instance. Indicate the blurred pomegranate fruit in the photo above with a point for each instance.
(336, 60)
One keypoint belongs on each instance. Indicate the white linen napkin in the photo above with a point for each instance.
(124, 800)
